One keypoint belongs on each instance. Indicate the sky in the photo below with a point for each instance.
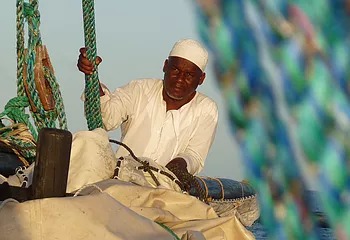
(133, 39)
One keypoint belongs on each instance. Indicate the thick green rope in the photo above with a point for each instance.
(20, 47)
(92, 93)
(29, 11)
(284, 75)
(15, 109)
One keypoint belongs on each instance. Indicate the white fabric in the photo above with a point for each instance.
(121, 211)
(92, 217)
(92, 159)
(129, 171)
(191, 50)
(152, 132)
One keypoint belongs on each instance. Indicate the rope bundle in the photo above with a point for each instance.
(282, 70)
(18, 138)
(34, 72)
(33, 63)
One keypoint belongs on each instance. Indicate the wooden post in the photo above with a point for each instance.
(52, 163)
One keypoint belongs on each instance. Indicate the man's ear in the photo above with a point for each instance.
(201, 78)
(165, 65)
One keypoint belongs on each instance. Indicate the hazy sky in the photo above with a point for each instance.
(133, 38)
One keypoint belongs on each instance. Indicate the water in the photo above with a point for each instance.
(259, 232)
(324, 233)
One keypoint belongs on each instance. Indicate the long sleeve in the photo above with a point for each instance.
(116, 107)
(201, 139)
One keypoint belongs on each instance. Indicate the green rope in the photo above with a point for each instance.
(57, 97)
(285, 84)
(20, 47)
(25, 64)
(14, 109)
(169, 230)
(26, 149)
(92, 96)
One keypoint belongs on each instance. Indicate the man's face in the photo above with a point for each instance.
(181, 78)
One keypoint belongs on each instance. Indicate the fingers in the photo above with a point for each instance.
(84, 65)
(83, 51)
(98, 60)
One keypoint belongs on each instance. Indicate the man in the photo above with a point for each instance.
(165, 120)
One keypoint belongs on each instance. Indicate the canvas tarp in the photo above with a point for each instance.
(114, 209)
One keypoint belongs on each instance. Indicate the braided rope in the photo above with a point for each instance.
(59, 109)
(20, 47)
(18, 138)
(26, 64)
(92, 93)
(21, 134)
(190, 181)
(15, 110)
(285, 85)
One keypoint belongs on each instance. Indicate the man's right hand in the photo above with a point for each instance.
(84, 65)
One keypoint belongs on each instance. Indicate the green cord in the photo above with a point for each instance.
(169, 230)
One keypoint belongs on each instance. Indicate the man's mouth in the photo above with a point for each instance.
(179, 86)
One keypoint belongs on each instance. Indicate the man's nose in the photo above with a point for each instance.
(181, 76)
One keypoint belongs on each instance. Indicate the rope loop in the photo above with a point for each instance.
(14, 109)
(35, 75)
(17, 102)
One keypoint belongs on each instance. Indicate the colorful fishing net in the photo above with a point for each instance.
(283, 70)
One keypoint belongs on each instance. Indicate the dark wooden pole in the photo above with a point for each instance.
(52, 163)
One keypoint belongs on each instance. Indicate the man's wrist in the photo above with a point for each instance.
(102, 93)
(177, 163)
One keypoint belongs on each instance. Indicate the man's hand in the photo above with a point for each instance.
(177, 162)
(84, 65)
(179, 167)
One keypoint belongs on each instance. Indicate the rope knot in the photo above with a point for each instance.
(17, 102)
(15, 109)
(145, 166)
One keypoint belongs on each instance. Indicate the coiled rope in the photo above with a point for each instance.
(17, 138)
(30, 67)
(283, 71)
(26, 64)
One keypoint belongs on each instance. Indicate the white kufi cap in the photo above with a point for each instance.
(191, 50)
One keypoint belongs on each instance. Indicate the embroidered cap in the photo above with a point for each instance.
(191, 50)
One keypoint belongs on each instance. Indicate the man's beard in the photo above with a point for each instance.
(172, 96)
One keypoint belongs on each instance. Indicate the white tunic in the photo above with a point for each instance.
(151, 131)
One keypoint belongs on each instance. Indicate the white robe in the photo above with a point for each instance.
(152, 132)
